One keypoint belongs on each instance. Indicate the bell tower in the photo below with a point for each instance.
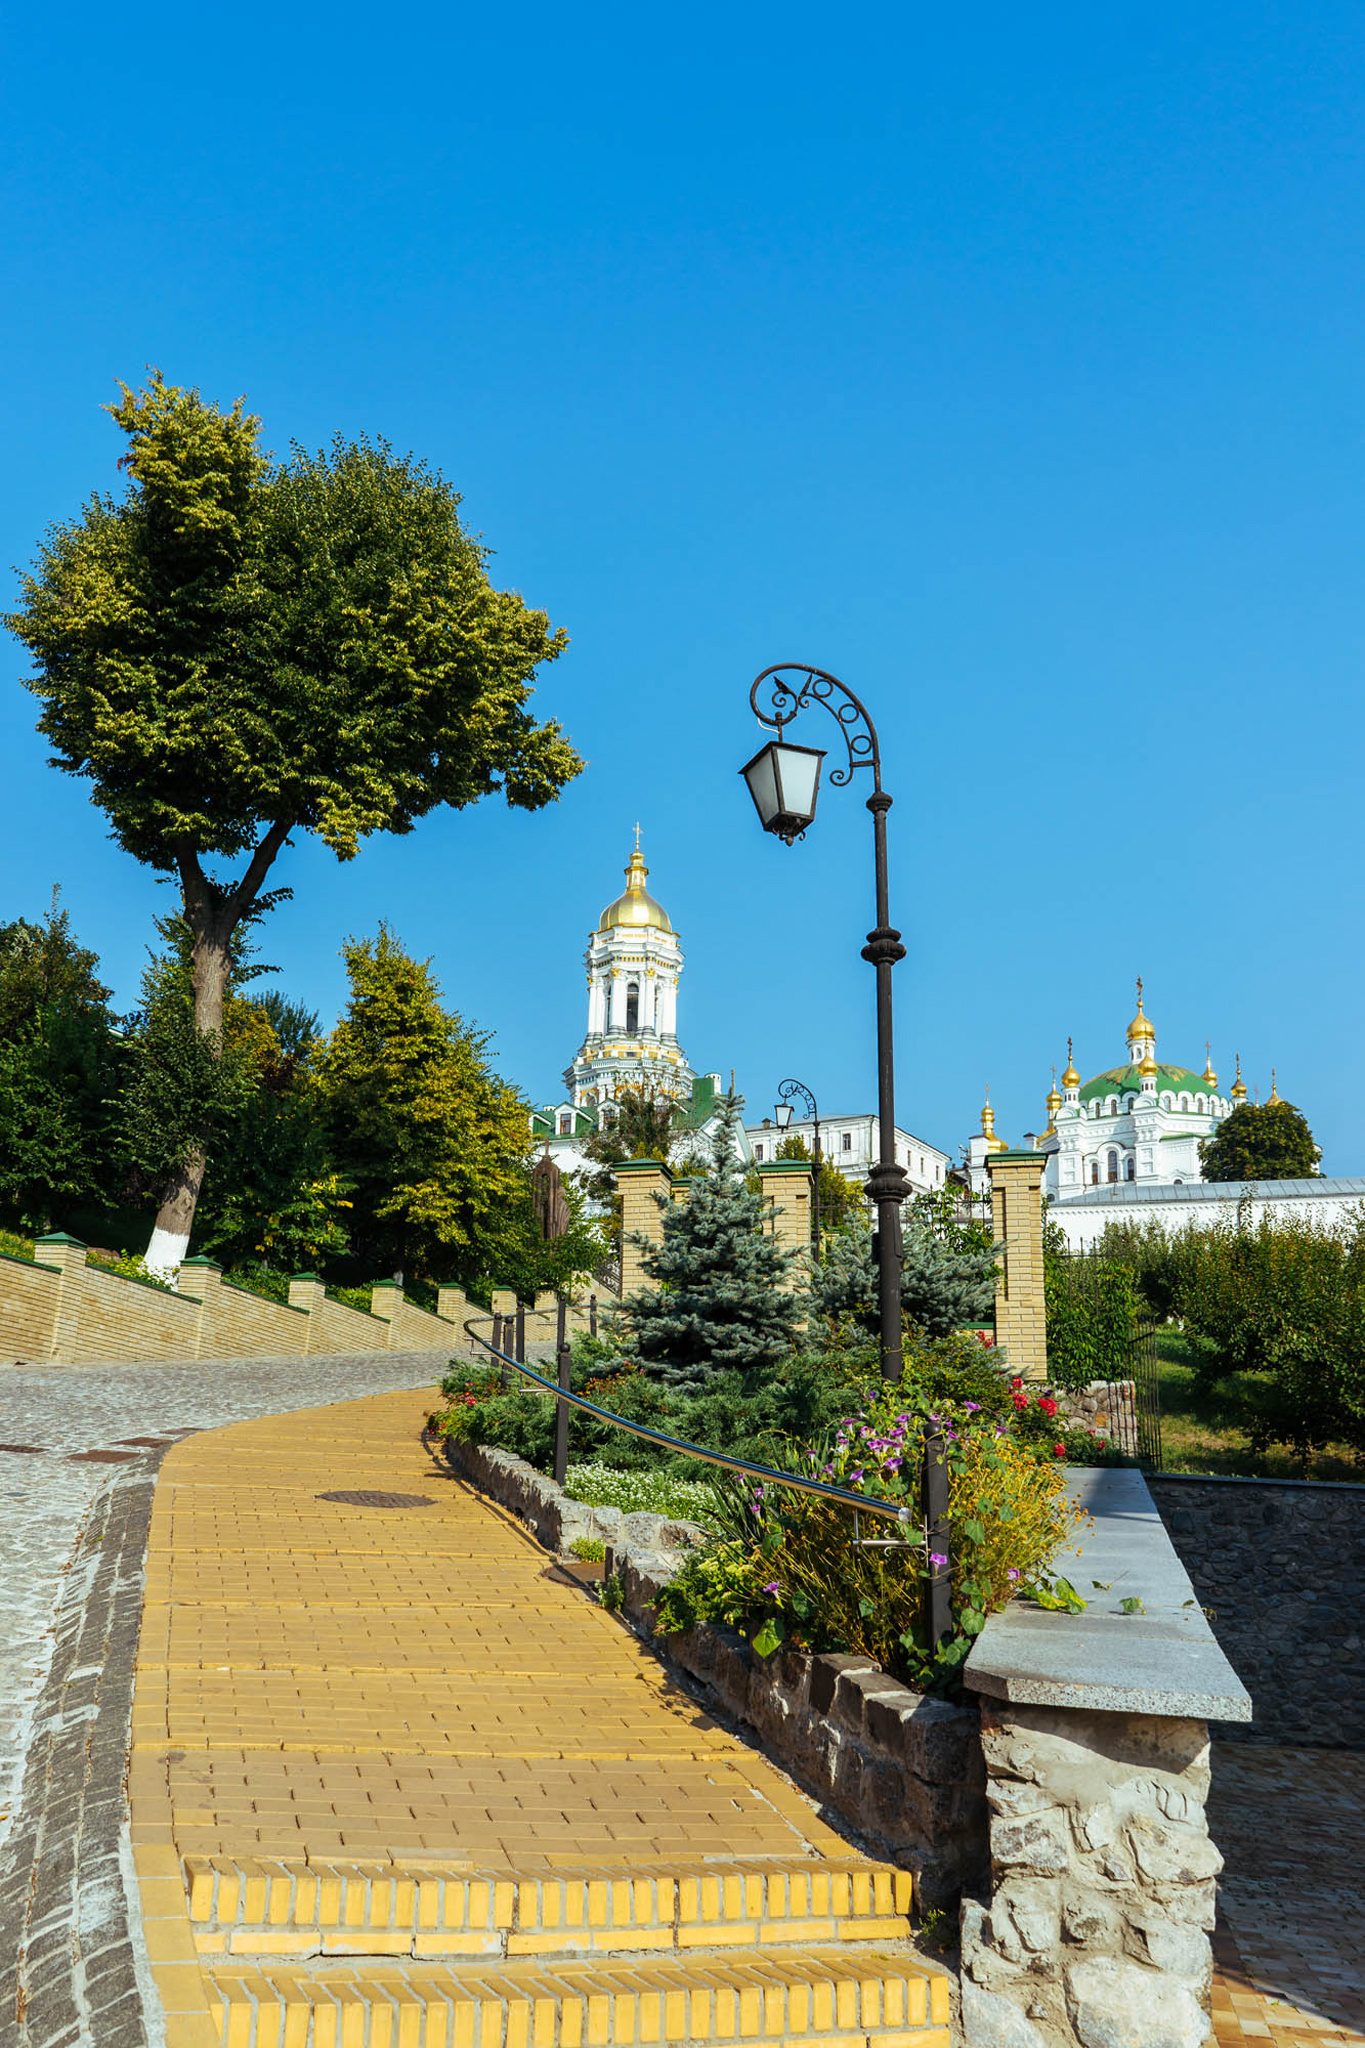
(634, 961)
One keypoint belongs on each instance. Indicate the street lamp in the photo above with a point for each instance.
(783, 1112)
(783, 782)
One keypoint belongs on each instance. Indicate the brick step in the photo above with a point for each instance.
(300, 1908)
(817, 1998)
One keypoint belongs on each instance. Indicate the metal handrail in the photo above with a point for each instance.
(861, 1503)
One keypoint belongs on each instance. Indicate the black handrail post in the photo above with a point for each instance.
(937, 1527)
(592, 1315)
(521, 1333)
(563, 1358)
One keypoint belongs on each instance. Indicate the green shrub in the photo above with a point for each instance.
(1092, 1315)
(16, 1247)
(588, 1550)
(129, 1265)
(655, 1493)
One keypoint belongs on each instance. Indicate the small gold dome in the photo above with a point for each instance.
(993, 1144)
(1142, 1025)
(1238, 1091)
(1070, 1079)
(1209, 1078)
(1274, 1095)
(636, 906)
(1054, 1101)
(1147, 1064)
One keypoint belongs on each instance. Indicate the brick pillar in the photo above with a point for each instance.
(504, 1301)
(453, 1304)
(1017, 1220)
(638, 1182)
(202, 1277)
(306, 1292)
(681, 1189)
(67, 1254)
(787, 1185)
(385, 1297)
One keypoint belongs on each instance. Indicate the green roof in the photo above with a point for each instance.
(1120, 1080)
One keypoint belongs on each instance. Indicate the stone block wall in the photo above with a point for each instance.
(1102, 1883)
(1279, 1564)
(234, 1323)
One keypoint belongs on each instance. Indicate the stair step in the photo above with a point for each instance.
(300, 1908)
(818, 1998)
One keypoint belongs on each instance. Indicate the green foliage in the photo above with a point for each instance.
(62, 1060)
(588, 1550)
(654, 1493)
(643, 1123)
(947, 1274)
(722, 1296)
(184, 1083)
(1261, 1141)
(129, 1266)
(432, 1142)
(17, 1247)
(1092, 1315)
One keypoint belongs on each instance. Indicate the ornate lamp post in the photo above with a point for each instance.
(787, 1092)
(784, 781)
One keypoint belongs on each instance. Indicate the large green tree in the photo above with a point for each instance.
(433, 1144)
(1261, 1141)
(62, 1059)
(234, 650)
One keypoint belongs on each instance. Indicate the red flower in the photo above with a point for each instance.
(1016, 1381)
(1047, 1404)
(1059, 1450)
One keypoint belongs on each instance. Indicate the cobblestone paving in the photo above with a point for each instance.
(1290, 1952)
(61, 1413)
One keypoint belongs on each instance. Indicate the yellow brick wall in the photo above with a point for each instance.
(28, 1309)
(238, 1324)
(120, 1319)
(1017, 1220)
(638, 1187)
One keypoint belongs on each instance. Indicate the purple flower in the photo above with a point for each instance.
(937, 1557)
(972, 1407)
(1011, 1573)
(772, 1586)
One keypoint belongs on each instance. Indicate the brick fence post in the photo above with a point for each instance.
(67, 1254)
(386, 1298)
(1017, 1220)
(203, 1277)
(638, 1182)
(787, 1184)
(306, 1292)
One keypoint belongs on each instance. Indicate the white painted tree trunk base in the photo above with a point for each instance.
(166, 1251)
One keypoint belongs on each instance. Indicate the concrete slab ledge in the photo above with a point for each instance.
(1160, 1659)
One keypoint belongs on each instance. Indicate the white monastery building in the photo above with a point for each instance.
(852, 1144)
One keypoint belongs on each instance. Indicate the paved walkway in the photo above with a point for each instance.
(1290, 1953)
(360, 1691)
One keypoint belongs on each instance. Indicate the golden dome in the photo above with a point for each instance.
(1238, 1090)
(1147, 1064)
(1209, 1078)
(1142, 1025)
(636, 906)
(993, 1144)
(1070, 1079)
(1274, 1095)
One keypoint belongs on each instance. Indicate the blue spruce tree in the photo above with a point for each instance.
(722, 1298)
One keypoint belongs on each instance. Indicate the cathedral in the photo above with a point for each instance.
(1139, 1123)
(634, 961)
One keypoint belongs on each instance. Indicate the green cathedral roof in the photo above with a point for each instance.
(1120, 1080)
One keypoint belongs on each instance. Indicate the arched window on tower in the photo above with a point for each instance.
(1113, 1166)
(1094, 1173)
(1131, 1167)
(632, 1008)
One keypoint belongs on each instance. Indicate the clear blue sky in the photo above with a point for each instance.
(1006, 361)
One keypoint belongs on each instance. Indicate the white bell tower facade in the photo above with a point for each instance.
(634, 961)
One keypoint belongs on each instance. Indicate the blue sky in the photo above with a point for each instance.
(1005, 361)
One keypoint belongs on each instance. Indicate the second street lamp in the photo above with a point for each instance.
(784, 781)
(783, 1113)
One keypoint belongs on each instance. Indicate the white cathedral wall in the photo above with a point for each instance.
(1084, 1224)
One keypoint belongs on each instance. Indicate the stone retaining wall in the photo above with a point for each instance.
(1280, 1565)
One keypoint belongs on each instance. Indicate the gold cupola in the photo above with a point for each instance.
(1070, 1079)
(1238, 1091)
(1054, 1103)
(993, 1144)
(1274, 1095)
(636, 906)
(1208, 1077)
(1141, 1031)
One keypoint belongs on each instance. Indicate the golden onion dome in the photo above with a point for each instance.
(1238, 1090)
(1070, 1079)
(993, 1144)
(636, 906)
(1208, 1077)
(1142, 1025)
(1274, 1095)
(1054, 1101)
(1147, 1064)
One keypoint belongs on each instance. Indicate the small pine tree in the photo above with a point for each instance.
(947, 1271)
(722, 1297)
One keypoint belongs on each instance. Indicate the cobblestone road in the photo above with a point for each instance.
(66, 1437)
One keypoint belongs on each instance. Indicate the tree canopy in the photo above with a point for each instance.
(236, 650)
(1261, 1141)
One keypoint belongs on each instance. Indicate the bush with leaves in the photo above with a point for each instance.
(1092, 1315)
(948, 1270)
(1261, 1141)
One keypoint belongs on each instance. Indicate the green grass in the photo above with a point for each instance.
(1209, 1431)
(655, 1493)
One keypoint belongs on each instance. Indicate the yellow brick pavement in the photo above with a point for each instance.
(323, 1686)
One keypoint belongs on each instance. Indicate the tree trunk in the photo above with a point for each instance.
(213, 915)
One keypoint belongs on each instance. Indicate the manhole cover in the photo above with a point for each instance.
(101, 1457)
(363, 1498)
(30, 1450)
